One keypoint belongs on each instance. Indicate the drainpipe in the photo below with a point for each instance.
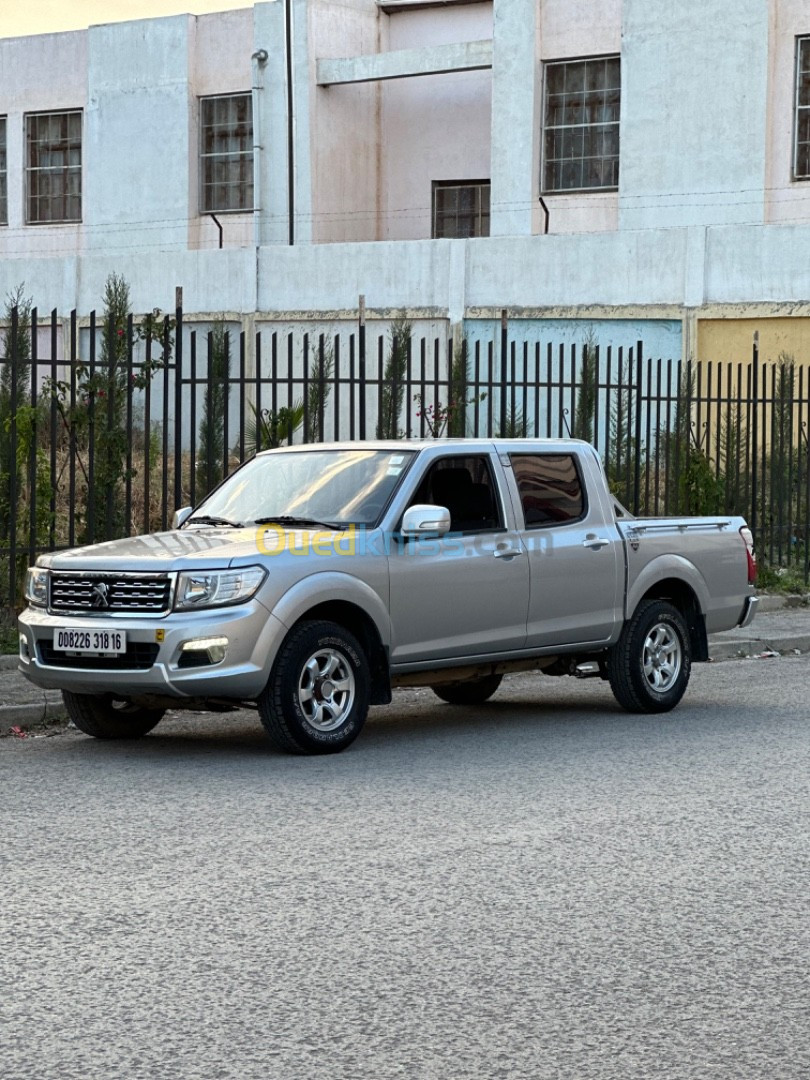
(288, 52)
(545, 211)
(258, 61)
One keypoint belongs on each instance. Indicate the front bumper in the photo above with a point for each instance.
(254, 636)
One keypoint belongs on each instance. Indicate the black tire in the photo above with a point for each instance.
(106, 717)
(468, 692)
(317, 697)
(649, 667)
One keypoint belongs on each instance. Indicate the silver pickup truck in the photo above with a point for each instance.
(316, 578)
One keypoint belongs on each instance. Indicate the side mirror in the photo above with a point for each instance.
(424, 520)
(180, 516)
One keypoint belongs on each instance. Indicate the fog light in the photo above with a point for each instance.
(24, 652)
(201, 651)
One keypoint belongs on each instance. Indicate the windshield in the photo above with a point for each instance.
(322, 487)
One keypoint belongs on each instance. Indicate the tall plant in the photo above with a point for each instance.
(211, 453)
(392, 391)
(585, 412)
(15, 387)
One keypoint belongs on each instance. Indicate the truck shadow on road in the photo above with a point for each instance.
(419, 723)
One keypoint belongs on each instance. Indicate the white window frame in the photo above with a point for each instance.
(481, 214)
(211, 159)
(802, 45)
(548, 186)
(68, 170)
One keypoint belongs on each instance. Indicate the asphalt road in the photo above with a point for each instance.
(545, 887)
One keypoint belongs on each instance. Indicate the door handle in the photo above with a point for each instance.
(595, 542)
(506, 552)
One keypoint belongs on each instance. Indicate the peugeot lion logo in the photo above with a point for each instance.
(100, 595)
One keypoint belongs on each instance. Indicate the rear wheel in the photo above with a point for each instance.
(468, 692)
(316, 700)
(106, 717)
(649, 667)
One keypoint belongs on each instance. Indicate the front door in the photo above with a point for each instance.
(466, 593)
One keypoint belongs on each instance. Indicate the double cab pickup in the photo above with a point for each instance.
(316, 578)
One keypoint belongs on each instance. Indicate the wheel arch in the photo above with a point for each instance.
(682, 596)
(358, 622)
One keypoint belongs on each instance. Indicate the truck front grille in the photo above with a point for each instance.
(140, 656)
(96, 594)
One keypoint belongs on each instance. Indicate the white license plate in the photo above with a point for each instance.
(90, 642)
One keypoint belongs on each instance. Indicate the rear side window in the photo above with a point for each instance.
(550, 488)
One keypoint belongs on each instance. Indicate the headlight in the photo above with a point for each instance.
(36, 586)
(215, 588)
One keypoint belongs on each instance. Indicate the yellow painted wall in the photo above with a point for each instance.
(732, 339)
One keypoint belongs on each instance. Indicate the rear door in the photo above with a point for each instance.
(575, 555)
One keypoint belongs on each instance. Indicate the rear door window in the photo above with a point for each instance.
(550, 488)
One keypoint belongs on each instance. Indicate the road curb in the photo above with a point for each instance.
(33, 714)
(740, 648)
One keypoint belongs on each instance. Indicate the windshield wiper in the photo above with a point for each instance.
(210, 520)
(291, 519)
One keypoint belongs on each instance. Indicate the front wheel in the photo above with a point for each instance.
(468, 692)
(106, 717)
(649, 666)
(316, 700)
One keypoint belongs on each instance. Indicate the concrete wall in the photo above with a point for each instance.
(219, 63)
(786, 199)
(27, 85)
(434, 127)
(731, 340)
(346, 130)
(138, 136)
(693, 117)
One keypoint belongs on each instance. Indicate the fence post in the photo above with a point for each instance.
(361, 348)
(504, 350)
(178, 398)
(12, 464)
(637, 469)
(754, 432)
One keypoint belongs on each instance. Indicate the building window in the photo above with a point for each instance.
(581, 133)
(460, 209)
(3, 174)
(226, 153)
(801, 151)
(54, 167)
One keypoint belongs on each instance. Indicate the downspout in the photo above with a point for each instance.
(258, 60)
(288, 42)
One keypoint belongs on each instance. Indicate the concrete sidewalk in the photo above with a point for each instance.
(782, 626)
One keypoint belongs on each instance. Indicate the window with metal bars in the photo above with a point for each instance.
(226, 153)
(801, 123)
(53, 167)
(460, 208)
(581, 124)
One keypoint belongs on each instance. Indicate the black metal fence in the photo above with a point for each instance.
(107, 426)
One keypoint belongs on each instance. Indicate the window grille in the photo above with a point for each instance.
(53, 167)
(460, 209)
(226, 153)
(801, 149)
(581, 130)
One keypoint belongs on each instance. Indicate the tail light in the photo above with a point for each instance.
(748, 540)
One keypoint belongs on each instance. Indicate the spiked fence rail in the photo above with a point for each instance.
(675, 438)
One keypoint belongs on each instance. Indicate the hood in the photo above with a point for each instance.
(200, 548)
(187, 549)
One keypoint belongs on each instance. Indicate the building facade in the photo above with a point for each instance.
(637, 166)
